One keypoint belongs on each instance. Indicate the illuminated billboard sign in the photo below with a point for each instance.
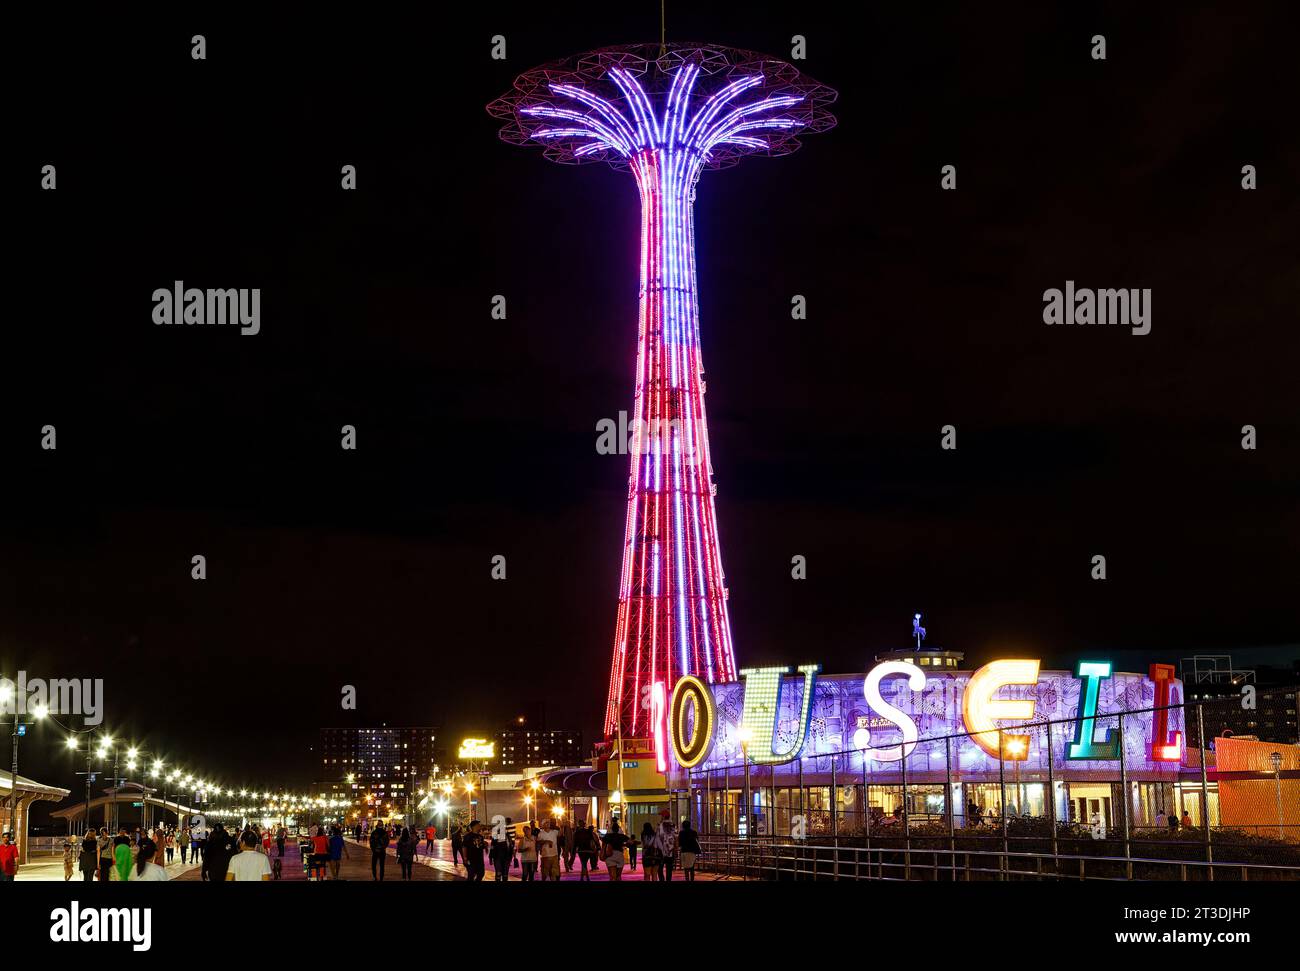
(477, 748)
(899, 711)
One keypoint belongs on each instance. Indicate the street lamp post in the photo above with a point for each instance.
(133, 757)
(117, 783)
(38, 712)
(1276, 759)
(537, 801)
(73, 744)
(106, 743)
(745, 735)
(13, 774)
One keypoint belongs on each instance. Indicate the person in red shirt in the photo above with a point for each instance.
(430, 834)
(320, 852)
(8, 859)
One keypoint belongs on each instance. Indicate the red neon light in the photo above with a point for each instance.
(658, 712)
(1163, 748)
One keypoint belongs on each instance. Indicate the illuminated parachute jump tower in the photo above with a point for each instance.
(665, 113)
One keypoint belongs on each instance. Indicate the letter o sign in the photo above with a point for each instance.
(691, 745)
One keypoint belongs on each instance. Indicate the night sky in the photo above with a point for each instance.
(476, 437)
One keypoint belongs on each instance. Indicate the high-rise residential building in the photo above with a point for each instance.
(1258, 702)
(386, 762)
(522, 746)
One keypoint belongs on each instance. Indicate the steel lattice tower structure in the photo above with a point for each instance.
(665, 113)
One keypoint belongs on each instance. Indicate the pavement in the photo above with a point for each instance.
(50, 868)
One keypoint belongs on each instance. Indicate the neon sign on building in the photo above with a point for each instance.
(477, 748)
(995, 714)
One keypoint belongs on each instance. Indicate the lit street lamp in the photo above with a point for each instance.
(74, 744)
(20, 729)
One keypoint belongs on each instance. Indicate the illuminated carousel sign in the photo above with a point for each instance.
(998, 713)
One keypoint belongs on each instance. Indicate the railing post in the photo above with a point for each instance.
(1126, 802)
(1205, 793)
(1002, 808)
(726, 796)
(1051, 801)
(952, 809)
(708, 801)
(769, 802)
(907, 826)
(803, 815)
(749, 817)
(835, 821)
(835, 816)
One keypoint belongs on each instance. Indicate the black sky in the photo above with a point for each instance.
(477, 437)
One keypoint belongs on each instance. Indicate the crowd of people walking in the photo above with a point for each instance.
(539, 852)
(535, 853)
(144, 854)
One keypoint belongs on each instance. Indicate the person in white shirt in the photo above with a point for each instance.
(145, 869)
(548, 850)
(250, 863)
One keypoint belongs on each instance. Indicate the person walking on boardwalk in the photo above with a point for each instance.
(584, 846)
(527, 848)
(666, 839)
(217, 852)
(548, 850)
(502, 852)
(89, 855)
(472, 850)
(145, 869)
(8, 858)
(407, 844)
(457, 844)
(613, 852)
(250, 864)
(649, 852)
(379, 841)
(568, 844)
(122, 856)
(338, 851)
(689, 842)
(105, 844)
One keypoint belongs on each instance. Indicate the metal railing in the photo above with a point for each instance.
(933, 816)
(785, 858)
